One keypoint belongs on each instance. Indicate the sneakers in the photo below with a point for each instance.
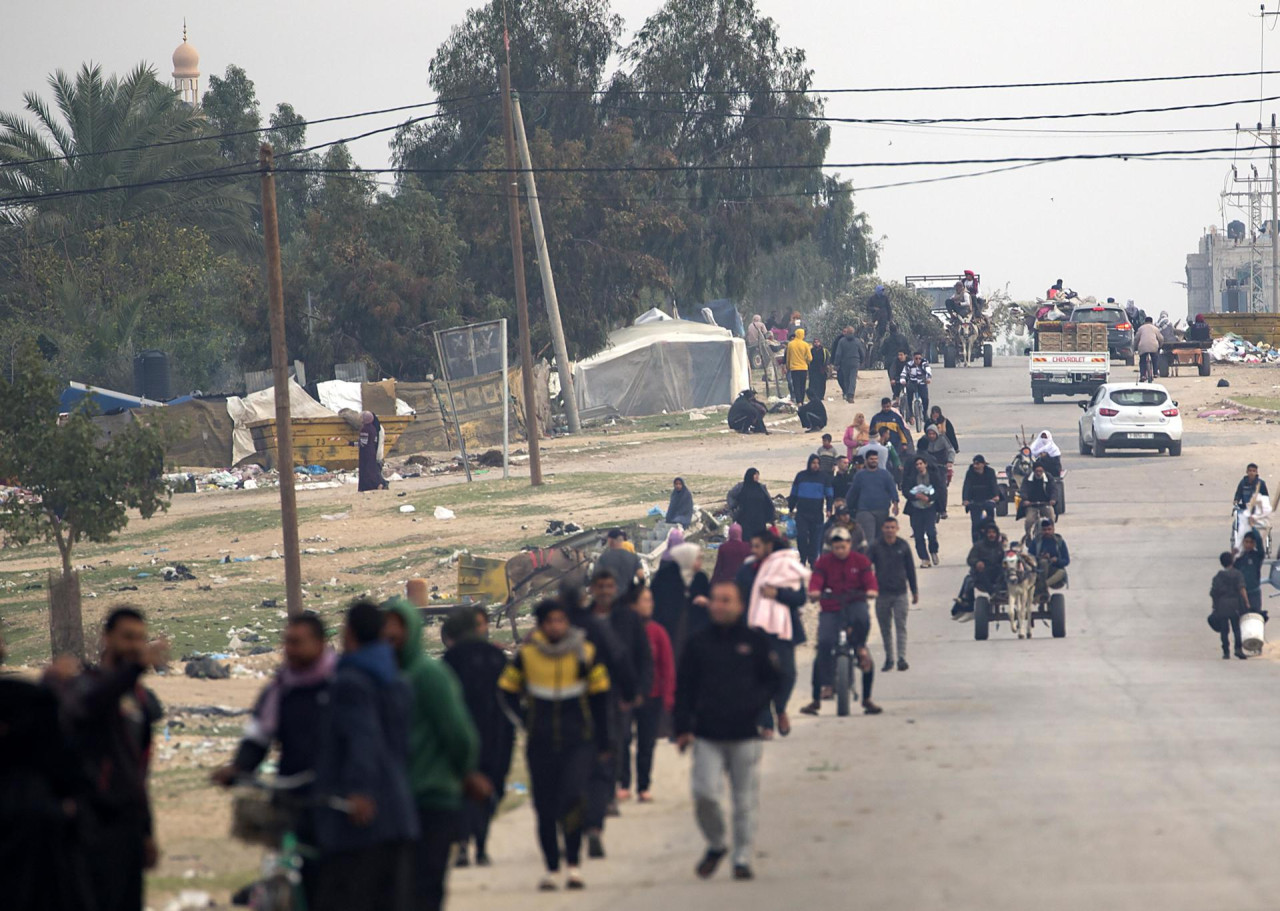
(574, 880)
(1240, 654)
(547, 884)
(902, 664)
(710, 861)
(463, 860)
(595, 846)
(934, 557)
(925, 564)
(811, 709)
(888, 665)
(742, 872)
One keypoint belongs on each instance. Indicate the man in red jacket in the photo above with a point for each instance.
(843, 580)
(660, 699)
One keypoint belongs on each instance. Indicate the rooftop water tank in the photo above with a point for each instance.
(151, 376)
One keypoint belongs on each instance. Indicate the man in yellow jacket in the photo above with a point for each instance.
(799, 354)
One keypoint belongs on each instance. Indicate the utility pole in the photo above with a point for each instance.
(280, 367)
(522, 300)
(1275, 222)
(544, 268)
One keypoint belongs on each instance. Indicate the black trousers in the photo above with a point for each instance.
(558, 779)
(476, 817)
(115, 857)
(440, 830)
(645, 720)
(799, 380)
(785, 651)
(377, 878)
(1235, 631)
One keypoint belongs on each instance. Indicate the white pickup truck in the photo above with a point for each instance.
(1067, 372)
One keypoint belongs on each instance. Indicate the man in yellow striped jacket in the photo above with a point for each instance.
(560, 692)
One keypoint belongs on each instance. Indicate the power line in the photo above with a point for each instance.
(925, 121)
(1130, 80)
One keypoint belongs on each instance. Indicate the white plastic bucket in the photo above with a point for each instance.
(1252, 632)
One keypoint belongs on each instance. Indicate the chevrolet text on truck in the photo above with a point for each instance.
(1068, 372)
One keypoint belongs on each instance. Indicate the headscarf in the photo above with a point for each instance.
(685, 556)
(266, 721)
(748, 479)
(735, 532)
(675, 538)
(1044, 445)
(681, 502)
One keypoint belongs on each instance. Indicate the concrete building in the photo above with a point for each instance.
(1230, 273)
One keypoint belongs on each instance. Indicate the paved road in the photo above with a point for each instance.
(1125, 766)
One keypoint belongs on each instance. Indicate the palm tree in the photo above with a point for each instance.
(132, 132)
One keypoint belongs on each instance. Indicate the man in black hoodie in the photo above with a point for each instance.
(631, 660)
(111, 715)
(980, 494)
(725, 680)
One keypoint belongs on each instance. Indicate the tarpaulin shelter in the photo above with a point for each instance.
(200, 432)
(104, 401)
(671, 365)
(724, 312)
(261, 406)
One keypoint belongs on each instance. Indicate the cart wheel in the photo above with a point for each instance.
(1058, 615)
(1062, 499)
(981, 617)
(844, 683)
(988, 353)
(1205, 363)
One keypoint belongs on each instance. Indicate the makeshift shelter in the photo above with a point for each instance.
(103, 401)
(724, 312)
(661, 367)
(200, 432)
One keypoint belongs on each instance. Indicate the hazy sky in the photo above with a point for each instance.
(1109, 228)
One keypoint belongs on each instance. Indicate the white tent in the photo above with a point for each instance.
(652, 315)
(663, 366)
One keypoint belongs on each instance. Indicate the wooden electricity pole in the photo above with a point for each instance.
(280, 367)
(522, 300)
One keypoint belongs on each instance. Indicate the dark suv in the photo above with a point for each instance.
(1119, 329)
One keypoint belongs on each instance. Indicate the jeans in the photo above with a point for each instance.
(913, 390)
(785, 651)
(646, 719)
(809, 537)
(712, 761)
(924, 528)
(870, 523)
(1031, 522)
(558, 779)
(854, 618)
(891, 611)
(980, 513)
(440, 830)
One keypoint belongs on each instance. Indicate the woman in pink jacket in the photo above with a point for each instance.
(856, 434)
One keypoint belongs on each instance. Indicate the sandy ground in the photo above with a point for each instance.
(367, 545)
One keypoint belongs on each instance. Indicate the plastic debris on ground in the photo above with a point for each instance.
(559, 528)
(441, 512)
(207, 669)
(1232, 349)
(177, 573)
(409, 507)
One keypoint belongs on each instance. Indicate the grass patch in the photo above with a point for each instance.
(1269, 402)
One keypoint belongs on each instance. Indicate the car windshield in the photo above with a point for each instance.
(1103, 315)
(1139, 397)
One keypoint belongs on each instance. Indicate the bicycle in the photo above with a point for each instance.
(1146, 368)
(266, 813)
(915, 406)
(850, 652)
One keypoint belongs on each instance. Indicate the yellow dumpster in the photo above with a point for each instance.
(482, 579)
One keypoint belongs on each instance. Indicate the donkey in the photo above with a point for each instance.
(1020, 582)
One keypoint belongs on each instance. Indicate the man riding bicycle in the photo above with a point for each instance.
(1147, 343)
(917, 377)
(842, 581)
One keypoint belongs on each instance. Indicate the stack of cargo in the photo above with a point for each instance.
(1091, 336)
(1049, 335)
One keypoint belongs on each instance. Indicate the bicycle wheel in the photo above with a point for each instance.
(844, 683)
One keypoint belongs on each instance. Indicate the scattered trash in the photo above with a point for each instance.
(1223, 384)
(250, 484)
(190, 900)
(440, 513)
(207, 669)
(491, 458)
(268, 602)
(559, 529)
(697, 416)
(177, 573)
(1232, 349)
(409, 507)
(656, 511)
(311, 469)
(337, 517)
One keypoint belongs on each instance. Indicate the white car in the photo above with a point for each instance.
(1130, 416)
